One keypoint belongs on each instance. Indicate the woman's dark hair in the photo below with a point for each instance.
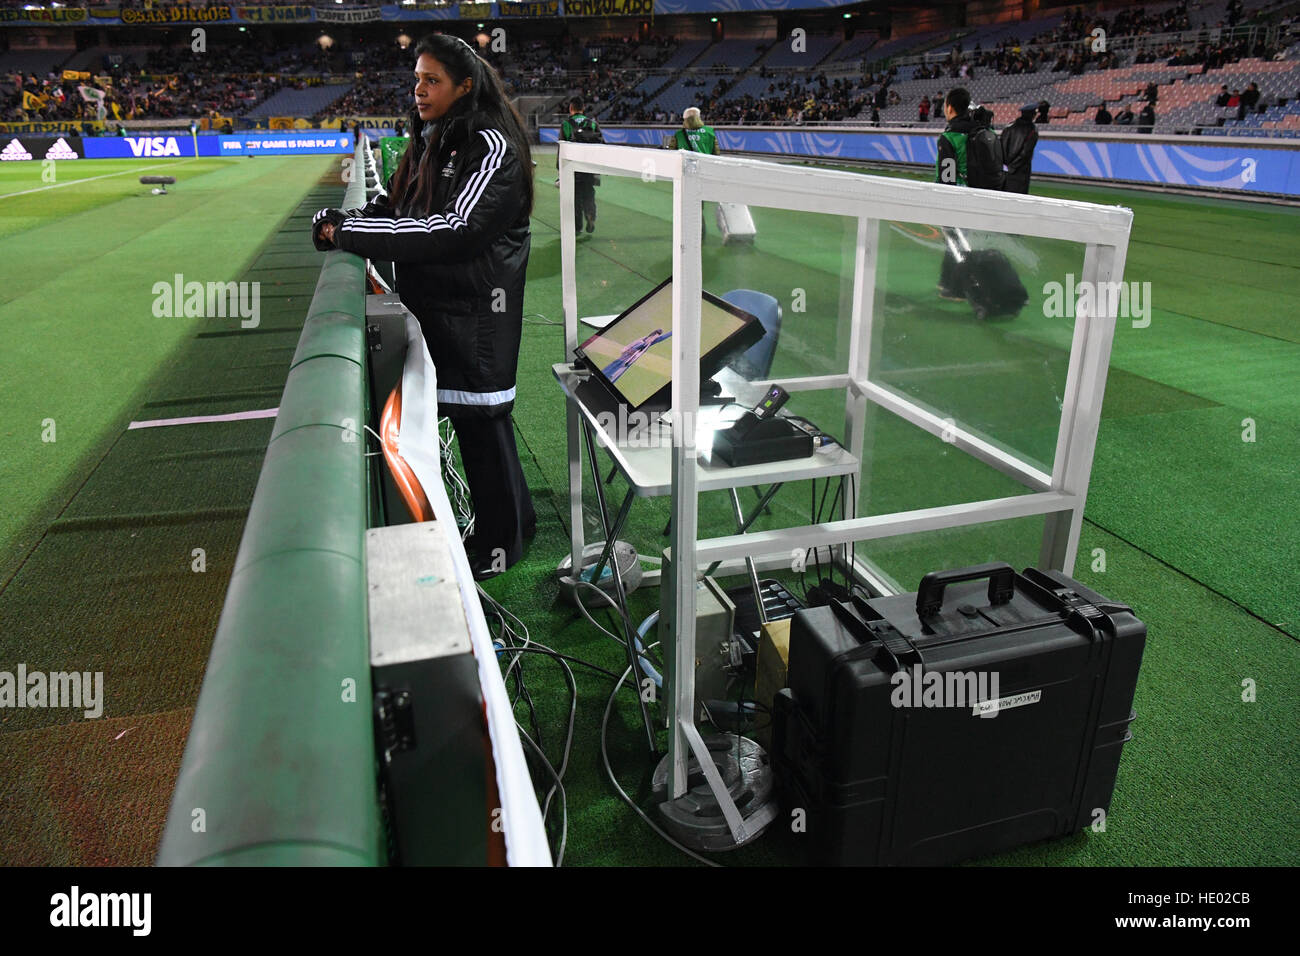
(412, 183)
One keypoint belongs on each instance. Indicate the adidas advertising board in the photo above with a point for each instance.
(18, 148)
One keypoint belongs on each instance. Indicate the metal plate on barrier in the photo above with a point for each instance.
(414, 600)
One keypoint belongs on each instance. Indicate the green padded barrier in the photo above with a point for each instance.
(331, 333)
(279, 758)
(317, 389)
(312, 487)
(279, 767)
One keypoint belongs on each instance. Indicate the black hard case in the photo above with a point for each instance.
(917, 785)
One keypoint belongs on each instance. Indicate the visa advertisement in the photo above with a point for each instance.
(278, 143)
(1244, 167)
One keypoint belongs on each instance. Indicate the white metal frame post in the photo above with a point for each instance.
(1057, 497)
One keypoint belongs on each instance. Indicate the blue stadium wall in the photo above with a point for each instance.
(1252, 166)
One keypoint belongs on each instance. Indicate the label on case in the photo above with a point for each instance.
(990, 708)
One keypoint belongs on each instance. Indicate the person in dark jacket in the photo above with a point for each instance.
(455, 223)
(1018, 142)
(1146, 120)
(1249, 101)
(950, 167)
(950, 164)
(1103, 117)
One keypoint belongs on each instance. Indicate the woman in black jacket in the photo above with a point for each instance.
(455, 224)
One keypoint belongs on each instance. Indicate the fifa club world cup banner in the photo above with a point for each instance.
(1252, 168)
(17, 149)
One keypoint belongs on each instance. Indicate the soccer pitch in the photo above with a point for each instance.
(82, 255)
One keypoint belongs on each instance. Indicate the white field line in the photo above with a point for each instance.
(93, 178)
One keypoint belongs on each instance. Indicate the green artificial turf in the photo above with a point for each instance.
(119, 544)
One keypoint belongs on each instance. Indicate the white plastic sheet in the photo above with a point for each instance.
(418, 442)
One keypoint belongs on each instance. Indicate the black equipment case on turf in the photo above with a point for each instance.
(891, 772)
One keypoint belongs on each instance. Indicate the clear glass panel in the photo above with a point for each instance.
(1000, 376)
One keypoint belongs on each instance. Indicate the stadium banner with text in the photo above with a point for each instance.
(164, 15)
(174, 145)
(285, 14)
(475, 11)
(287, 143)
(51, 126)
(18, 149)
(348, 14)
(394, 11)
(529, 8)
(1241, 167)
(367, 122)
(53, 15)
(609, 8)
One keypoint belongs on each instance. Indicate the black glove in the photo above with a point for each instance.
(334, 217)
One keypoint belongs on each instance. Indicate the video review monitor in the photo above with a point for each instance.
(633, 355)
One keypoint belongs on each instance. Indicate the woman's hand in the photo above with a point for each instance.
(324, 225)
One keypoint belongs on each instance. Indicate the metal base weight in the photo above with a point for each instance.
(695, 819)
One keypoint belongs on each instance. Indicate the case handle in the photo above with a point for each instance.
(1002, 585)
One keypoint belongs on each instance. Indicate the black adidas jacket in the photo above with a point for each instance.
(460, 264)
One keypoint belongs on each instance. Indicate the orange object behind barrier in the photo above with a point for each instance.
(377, 284)
(417, 502)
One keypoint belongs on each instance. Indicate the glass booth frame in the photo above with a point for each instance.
(1059, 496)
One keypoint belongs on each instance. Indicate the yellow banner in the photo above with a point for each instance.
(61, 126)
(76, 75)
(276, 14)
(530, 8)
(177, 15)
(279, 122)
(105, 13)
(33, 102)
(475, 11)
(609, 8)
(54, 15)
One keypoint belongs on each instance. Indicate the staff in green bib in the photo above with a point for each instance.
(580, 128)
(694, 135)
